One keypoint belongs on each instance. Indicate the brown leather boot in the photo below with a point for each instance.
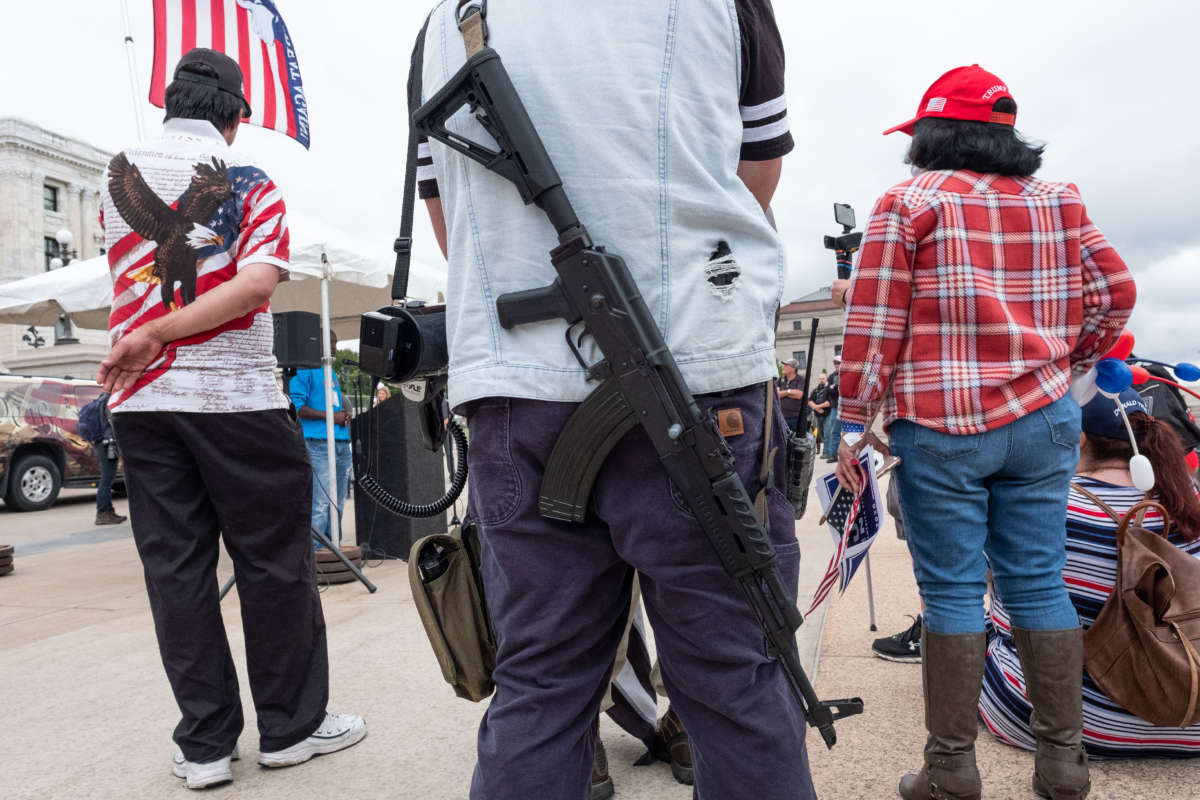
(602, 782)
(671, 745)
(952, 674)
(1052, 662)
(109, 518)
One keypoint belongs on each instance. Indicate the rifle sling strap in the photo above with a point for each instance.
(761, 506)
(472, 24)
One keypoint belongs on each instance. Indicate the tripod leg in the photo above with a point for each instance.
(225, 589)
(363, 579)
(870, 592)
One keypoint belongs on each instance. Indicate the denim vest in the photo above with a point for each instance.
(637, 104)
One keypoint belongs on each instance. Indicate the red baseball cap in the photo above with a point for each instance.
(965, 93)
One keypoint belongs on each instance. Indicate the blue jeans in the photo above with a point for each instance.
(108, 474)
(995, 499)
(832, 434)
(320, 500)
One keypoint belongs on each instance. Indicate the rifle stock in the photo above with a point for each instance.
(640, 381)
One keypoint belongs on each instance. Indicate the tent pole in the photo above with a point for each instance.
(330, 443)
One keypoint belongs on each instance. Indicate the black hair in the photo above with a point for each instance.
(190, 100)
(988, 147)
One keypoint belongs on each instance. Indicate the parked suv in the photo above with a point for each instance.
(40, 448)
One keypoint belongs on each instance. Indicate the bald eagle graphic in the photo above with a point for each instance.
(180, 233)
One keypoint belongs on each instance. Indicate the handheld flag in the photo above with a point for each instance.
(854, 522)
(250, 32)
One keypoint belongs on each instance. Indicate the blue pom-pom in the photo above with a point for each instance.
(1113, 376)
(1187, 372)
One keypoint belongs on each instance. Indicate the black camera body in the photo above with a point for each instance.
(847, 243)
(403, 343)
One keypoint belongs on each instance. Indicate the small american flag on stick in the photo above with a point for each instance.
(250, 32)
(854, 521)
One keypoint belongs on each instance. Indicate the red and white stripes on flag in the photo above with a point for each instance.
(833, 571)
(252, 33)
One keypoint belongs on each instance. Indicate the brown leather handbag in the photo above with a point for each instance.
(1143, 650)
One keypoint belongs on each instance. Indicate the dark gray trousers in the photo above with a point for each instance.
(559, 596)
(194, 479)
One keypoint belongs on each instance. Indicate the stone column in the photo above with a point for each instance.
(93, 239)
(16, 221)
(75, 214)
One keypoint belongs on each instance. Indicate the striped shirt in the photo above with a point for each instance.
(981, 295)
(181, 216)
(766, 134)
(1109, 731)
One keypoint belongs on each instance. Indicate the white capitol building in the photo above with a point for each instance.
(48, 184)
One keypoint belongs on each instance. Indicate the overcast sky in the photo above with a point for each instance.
(1110, 85)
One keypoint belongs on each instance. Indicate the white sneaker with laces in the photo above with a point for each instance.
(201, 776)
(337, 732)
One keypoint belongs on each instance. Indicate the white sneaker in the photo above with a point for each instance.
(337, 732)
(201, 776)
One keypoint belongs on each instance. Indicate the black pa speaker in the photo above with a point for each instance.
(298, 340)
(387, 443)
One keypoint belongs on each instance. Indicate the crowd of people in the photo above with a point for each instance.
(980, 294)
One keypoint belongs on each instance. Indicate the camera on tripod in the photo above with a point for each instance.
(846, 245)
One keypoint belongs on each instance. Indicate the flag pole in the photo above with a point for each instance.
(133, 81)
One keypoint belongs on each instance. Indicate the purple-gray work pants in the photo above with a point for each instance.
(559, 595)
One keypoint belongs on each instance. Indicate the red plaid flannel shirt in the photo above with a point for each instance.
(980, 296)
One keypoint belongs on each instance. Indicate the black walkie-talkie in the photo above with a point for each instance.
(846, 245)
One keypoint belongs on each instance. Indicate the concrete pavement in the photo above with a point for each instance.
(875, 749)
(88, 713)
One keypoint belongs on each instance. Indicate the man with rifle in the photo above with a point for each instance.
(668, 128)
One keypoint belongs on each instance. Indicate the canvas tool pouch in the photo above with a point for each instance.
(447, 587)
(1143, 650)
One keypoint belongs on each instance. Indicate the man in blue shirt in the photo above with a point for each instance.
(307, 391)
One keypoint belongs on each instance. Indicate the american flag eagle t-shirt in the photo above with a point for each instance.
(182, 215)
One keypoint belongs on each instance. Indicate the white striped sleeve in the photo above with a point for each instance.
(427, 186)
(763, 101)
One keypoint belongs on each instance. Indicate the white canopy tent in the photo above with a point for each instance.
(82, 291)
(331, 273)
(361, 277)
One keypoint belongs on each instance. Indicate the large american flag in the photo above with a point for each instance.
(252, 33)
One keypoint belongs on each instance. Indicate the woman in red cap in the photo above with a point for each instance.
(979, 294)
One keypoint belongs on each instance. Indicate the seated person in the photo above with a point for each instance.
(1109, 731)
